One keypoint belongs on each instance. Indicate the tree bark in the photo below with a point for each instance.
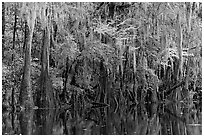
(3, 29)
(45, 96)
(180, 50)
(26, 97)
(188, 18)
(26, 122)
(103, 82)
(14, 31)
(13, 56)
(26, 93)
(180, 40)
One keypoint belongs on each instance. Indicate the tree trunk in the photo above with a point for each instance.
(180, 61)
(188, 18)
(180, 40)
(63, 96)
(3, 29)
(7, 94)
(45, 96)
(26, 93)
(103, 82)
(14, 31)
(45, 120)
(25, 36)
(12, 59)
(26, 97)
(26, 122)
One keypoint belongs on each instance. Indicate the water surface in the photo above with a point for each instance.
(136, 119)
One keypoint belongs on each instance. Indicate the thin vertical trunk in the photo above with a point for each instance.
(8, 94)
(180, 61)
(121, 63)
(188, 18)
(13, 56)
(3, 29)
(179, 47)
(134, 75)
(25, 36)
(65, 77)
(14, 31)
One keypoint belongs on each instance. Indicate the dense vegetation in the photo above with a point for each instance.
(73, 55)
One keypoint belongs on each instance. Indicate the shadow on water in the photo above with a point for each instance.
(139, 119)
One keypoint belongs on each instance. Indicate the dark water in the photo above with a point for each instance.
(139, 119)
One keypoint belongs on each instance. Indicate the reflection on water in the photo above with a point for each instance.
(139, 119)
